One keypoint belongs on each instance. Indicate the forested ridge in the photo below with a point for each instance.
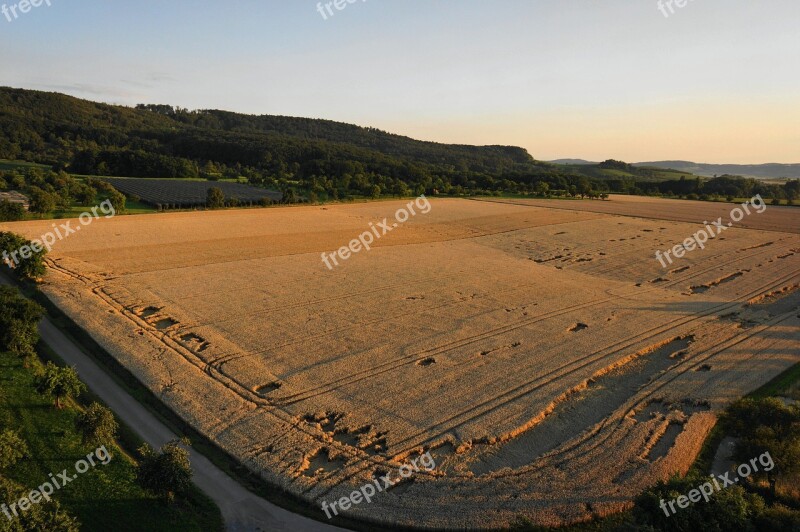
(314, 158)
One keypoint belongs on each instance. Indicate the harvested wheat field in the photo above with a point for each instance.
(537, 349)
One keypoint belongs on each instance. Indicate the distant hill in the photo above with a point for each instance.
(618, 171)
(759, 171)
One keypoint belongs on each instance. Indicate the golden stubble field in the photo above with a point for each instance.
(537, 349)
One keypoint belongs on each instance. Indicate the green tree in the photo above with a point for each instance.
(215, 198)
(766, 426)
(19, 341)
(792, 189)
(542, 188)
(730, 509)
(17, 182)
(778, 518)
(401, 190)
(41, 201)
(210, 170)
(19, 323)
(46, 516)
(97, 425)
(26, 261)
(117, 200)
(11, 212)
(166, 473)
(12, 448)
(59, 383)
(31, 265)
(289, 196)
(85, 194)
(584, 187)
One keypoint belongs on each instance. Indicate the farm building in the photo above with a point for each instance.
(15, 197)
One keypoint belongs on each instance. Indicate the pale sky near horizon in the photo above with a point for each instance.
(717, 81)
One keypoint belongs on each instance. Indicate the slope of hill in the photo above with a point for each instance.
(162, 141)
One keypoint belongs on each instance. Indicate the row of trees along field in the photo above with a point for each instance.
(49, 191)
(166, 473)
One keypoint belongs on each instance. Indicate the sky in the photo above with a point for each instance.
(715, 81)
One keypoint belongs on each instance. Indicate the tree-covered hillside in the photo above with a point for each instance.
(302, 157)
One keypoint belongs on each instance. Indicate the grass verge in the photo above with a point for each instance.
(104, 498)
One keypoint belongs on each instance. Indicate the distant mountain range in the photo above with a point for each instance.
(758, 171)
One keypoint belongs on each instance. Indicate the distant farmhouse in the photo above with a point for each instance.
(15, 197)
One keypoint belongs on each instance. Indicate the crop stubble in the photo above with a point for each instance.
(537, 349)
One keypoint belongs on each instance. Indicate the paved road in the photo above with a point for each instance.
(242, 510)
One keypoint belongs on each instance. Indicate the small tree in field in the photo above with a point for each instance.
(117, 200)
(97, 425)
(22, 256)
(41, 202)
(11, 212)
(166, 473)
(19, 324)
(215, 198)
(59, 383)
(289, 196)
(18, 342)
(12, 448)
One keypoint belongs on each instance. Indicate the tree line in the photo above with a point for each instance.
(49, 191)
(306, 158)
